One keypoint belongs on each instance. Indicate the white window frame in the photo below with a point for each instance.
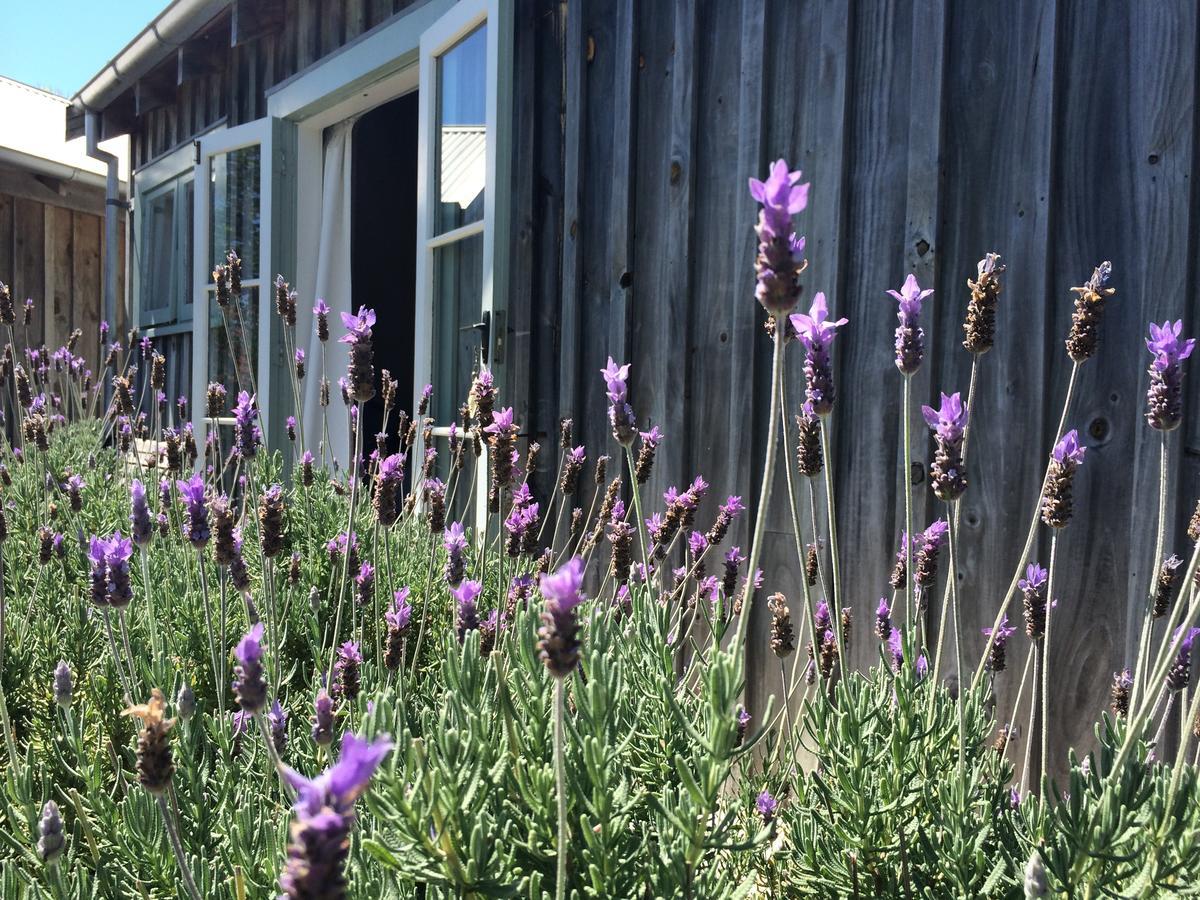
(150, 180)
(271, 137)
(381, 65)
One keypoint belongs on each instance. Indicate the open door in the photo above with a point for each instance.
(241, 205)
(462, 211)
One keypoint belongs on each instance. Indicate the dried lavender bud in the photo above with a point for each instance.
(573, 460)
(1004, 735)
(1168, 574)
(620, 535)
(828, 655)
(223, 538)
(155, 765)
(809, 458)
(783, 639)
(1089, 307)
(174, 451)
(601, 471)
(847, 625)
(64, 686)
(215, 400)
(27, 312)
(8, 313)
(435, 503)
(1193, 529)
(185, 702)
(646, 452)
(158, 371)
(1057, 502)
(576, 522)
(980, 324)
(294, 569)
(727, 512)
(270, 521)
(50, 834)
(324, 393)
(388, 387)
(1121, 687)
(45, 545)
(221, 279)
(531, 456)
(364, 585)
(810, 564)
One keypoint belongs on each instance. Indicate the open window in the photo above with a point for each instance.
(240, 205)
(462, 211)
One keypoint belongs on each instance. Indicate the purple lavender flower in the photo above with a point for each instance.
(726, 513)
(361, 370)
(883, 620)
(290, 427)
(996, 656)
(558, 644)
(277, 720)
(455, 541)
(1033, 590)
(733, 560)
(321, 319)
(1058, 502)
(948, 472)
(139, 516)
(109, 559)
(767, 806)
(1164, 399)
(364, 585)
(817, 332)
(895, 643)
(347, 681)
(247, 434)
(196, 528)
(466, 597)
(322, 719)
(248, 685)
(620, 413)
(780, 257)
(400, 614)
(1179, 675)
(320, 833)
(910, 337)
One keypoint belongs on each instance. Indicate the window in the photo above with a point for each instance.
(462, 216)
(165, 252)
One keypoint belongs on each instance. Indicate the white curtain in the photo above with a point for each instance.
(332, 284)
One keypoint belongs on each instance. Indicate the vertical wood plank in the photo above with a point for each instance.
(59, 283)
(574, 65)
(29, 263)
(6, 239)
(88, 281)
(356, 18)
(1000, 95)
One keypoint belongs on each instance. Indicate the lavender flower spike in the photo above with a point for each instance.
(466, 597)
(780, 257)
(558, 644)
(247, 434)
(320, 833)
(361, 371)
(139, 515)
(817, 332)
(249, 686)
(1065, 458)
(910, 337)
(196, 528)
(1179, 675)
(1164, 399)
(620, 413)
(948, 472)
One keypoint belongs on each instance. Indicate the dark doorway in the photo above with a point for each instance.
(384, 245)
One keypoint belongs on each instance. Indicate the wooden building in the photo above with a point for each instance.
(589, 161)
(52, 218)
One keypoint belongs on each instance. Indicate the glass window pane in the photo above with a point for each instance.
(461, 157)
(158, 232)
(234, 218)
(233, 351)
(187, 253)
(457, 303)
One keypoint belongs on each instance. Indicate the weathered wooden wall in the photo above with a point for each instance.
(218, 81)
(52, 250)
(1058, 134)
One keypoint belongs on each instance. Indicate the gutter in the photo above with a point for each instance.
(112, 201)
(50, 168)
(165, 34)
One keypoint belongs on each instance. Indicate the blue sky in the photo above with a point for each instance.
(58, 45)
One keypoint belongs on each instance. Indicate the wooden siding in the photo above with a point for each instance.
(1057, 134)
(54, 254)
(234, 84)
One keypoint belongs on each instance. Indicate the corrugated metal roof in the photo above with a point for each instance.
(32, 124)
(463, 163)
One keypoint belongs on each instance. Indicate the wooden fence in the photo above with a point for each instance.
(1056, 133)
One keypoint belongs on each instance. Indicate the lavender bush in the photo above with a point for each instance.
(307, 677)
